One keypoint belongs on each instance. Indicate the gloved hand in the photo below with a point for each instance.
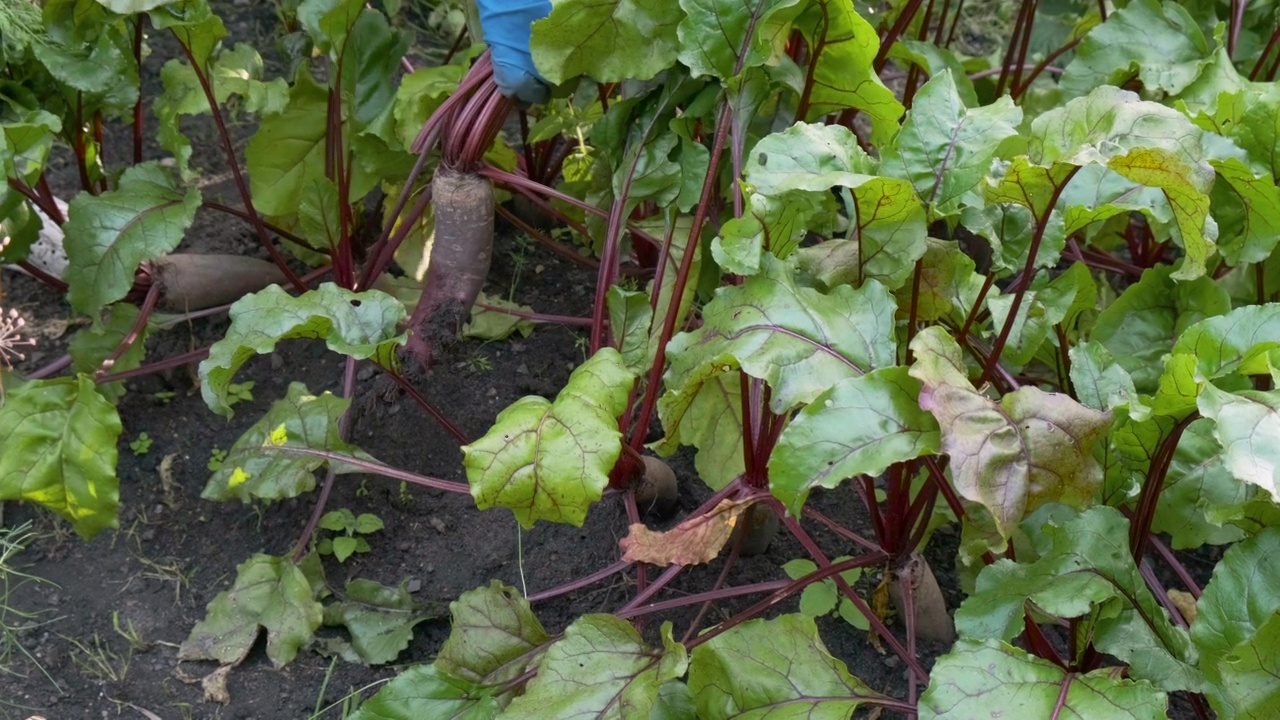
(507, 25)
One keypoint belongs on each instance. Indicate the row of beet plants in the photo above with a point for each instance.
(1030, 294)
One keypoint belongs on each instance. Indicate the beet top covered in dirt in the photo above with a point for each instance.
(660, 359)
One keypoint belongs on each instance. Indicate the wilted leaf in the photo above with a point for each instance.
(1030, 448)
(380, 619)
(551, 460)
(695, 541)
(270, 593)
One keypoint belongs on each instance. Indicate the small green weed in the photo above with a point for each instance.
(142, 445)
(348, 527)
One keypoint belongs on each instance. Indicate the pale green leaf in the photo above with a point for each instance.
(549, 460)
(59, 439)
(609, 42)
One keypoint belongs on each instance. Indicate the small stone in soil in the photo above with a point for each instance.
(415, 585)
(437, 523)
(365, 373)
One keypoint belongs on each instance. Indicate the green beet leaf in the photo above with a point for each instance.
(1242, 341)
(1098, 381)
(425, 691)
(949, 286)
(1248, 212)
(1011, 456)
(92, 345)
(775, 668)
(797, 339)
(707, 414)
(493, 634)
(844, 75)
(270, 593)
(360, 325)
(380, 619)
(630, 317)
(109, 235)
(1139, 327)
(722, 38)
(259, 466)
(601, 668)
(808, 156)
(1158, 43)
(1200, 496)
(549, 460)
(1084, 570)
(608, 42)
(992, 678)
(235, 72)
(1247, 425)
(287, 151)
(859, 427)
(945, 149)
(1237, 629)
(59, 439)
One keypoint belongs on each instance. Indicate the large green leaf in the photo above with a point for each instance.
(1200, 495)
(777, 669)
(549, 460)
(270, 593)
(258, 465)
(1160, 44)
(109, 235)
(1085, 570)
(1013, 456)
(1241, 341)
(607, 41)
(859, 427)
(992, 678)
(601, 668)
(808, 156)
(59, 439)
(1139, 327)
(491, 637)
(1096, 378)
(945, 148)
(723, 38)
(1237, 629)
(707, 414)
(948, 284)
(361, 325)
(844, 75)
(425, 691)
(287, 151)
(797, 339)
(1247, 425)
(1247, 208)
(1144, 142)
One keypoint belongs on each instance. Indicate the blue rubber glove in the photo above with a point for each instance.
(507, 25)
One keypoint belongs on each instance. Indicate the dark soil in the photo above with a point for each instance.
(174, 551)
